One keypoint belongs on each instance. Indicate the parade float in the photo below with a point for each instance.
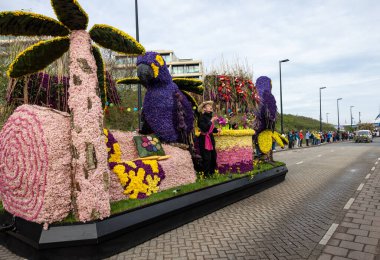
(71, 188)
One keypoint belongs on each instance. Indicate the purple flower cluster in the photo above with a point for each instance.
(240, 167)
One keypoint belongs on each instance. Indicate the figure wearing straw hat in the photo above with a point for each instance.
(206, 124)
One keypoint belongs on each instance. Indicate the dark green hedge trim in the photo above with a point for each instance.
(30, 24)
(130, 80)
(190, 85)
(38, 56)
(100, 73)
(70, 13)
(114, 39)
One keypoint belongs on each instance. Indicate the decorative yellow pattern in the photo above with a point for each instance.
(266, 139)
(155, 69)
(152, 184)
(160, 60)
(140, 178)
(228, 132)
(227, 142)
(136, 184)
(153, 164)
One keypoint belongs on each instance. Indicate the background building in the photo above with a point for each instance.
(125, 65)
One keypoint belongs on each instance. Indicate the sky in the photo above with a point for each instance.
(331, 43)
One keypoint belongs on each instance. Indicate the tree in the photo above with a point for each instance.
(90, 167)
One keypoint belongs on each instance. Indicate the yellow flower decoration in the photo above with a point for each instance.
(153, 164)
(152, 186)
(120, 172)
(160, 60)
(265, 141)
(136, 185)
(155, 69)
(132, 164)
(115, 157)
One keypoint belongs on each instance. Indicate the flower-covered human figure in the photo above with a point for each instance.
(166, 111)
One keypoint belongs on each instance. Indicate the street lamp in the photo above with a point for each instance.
(351, 114)
(327, 117)
(282, 118)
(139, 98)
(337, 105)
(359, 118)
(320, 109)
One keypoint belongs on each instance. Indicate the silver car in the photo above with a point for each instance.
(363, 136)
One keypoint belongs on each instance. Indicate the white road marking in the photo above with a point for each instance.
(299, 162)
(378, 158)
(376, 163)
(349, 203)
(319, 155)
(353, 170)
(328, 234)
(373, 168)
(360, 186)
(332, 151)
(368, 175)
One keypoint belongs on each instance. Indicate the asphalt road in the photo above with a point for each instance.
(286, 221)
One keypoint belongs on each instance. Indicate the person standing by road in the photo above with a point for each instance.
(301, 138)
(307, 137)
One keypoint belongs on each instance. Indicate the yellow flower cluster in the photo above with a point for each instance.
(129, 80)
(227, 142)
(155, 69)
(265, 141)
(266, 138)
(160, 60)
(232, 132)
(135, 179)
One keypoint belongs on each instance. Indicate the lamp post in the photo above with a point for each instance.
(282, 117)
(351, 114)
(359, 118)
(320, 108)
(337, 105)
(327, 117)
(139, 98)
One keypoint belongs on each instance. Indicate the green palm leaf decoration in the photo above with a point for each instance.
(101, 72)
(192, 100)
(71, 14)
(30, 24)
(129, 80)
(190, 85)
(114, 39)
(38, 56)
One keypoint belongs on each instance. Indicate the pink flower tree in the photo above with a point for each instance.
(90, 173)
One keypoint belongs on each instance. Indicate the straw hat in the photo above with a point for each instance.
(201, 106)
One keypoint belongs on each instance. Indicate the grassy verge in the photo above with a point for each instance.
(124, 205)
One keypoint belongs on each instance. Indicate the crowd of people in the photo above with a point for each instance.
(299, 138)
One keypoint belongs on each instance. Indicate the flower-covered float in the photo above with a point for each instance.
(55, 165)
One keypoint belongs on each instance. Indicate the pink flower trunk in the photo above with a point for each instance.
(90, 173)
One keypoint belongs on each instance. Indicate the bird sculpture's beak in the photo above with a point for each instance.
(145, 73)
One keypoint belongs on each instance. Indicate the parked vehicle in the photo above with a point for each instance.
(363, 136)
